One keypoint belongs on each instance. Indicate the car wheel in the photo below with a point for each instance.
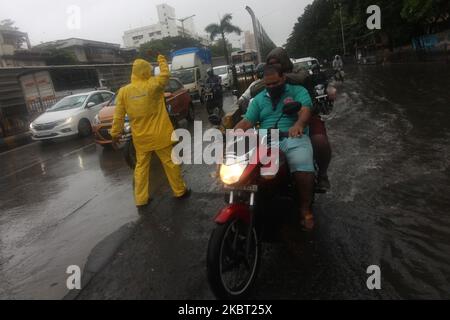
(191, 112)
(84, 128)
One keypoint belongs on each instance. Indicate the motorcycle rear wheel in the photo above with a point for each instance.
(222, 256)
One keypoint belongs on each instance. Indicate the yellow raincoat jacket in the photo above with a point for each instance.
(143, 101)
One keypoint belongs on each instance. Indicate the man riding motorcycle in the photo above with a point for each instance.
(318, 133)
(265, 109)
(338, 66)
(215, 83)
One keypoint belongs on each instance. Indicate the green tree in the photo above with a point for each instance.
(223, 28)
(217, 48)
(318, 30)
(8, 24)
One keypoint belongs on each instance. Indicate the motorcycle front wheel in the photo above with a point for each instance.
(231, 273)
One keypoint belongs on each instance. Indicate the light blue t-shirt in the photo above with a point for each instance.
(261, 109)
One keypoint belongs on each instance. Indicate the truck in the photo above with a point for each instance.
(190, 66)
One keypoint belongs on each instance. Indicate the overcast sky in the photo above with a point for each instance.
(106, 20)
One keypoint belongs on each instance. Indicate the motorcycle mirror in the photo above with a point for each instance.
(214, 119)
(292, 108)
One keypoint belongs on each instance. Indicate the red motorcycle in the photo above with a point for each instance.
(254, 213)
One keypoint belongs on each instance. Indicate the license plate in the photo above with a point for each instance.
(252, 188)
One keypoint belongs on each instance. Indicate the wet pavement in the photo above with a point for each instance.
(71, 203)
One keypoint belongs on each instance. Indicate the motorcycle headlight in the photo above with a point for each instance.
(232, 174)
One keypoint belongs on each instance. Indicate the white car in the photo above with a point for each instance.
(305, 63)
(226, 74)
(72, 115)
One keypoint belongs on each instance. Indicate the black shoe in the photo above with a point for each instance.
(144, 208)
(323, 184)
(186, 195)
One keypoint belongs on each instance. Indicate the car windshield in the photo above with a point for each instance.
(68, 103)
(303, 65)
(236, 59)
(185, 76)
(219, 71)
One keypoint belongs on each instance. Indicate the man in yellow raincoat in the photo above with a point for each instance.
(143, 101)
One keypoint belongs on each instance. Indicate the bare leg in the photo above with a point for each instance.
(305, 188)
(322, 153)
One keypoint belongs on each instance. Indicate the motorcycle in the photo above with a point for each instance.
(212, 98)
(252, 215)
(322, 103)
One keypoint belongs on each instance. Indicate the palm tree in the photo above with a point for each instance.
(224, 27)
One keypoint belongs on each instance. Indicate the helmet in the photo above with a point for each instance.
(260, 70)
(210, 72)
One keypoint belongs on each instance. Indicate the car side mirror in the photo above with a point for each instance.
(292, 108)
(235, 93)
(91, 104)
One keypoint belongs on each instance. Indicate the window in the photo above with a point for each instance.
(96, 98)
(173, 86)
(140, 37)
(106, 96)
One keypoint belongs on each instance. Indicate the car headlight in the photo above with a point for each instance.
(232, 174)
(32, 125)
(64, 122)
(96, 120)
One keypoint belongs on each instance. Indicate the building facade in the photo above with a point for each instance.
(15, 49)
(166, 27)
(86, 51)
(249, 41)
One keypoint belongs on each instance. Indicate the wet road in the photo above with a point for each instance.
(72, 203)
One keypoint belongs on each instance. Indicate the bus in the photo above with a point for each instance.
(245, 60)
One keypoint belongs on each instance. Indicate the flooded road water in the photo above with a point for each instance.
(72, 203)
(390, 203)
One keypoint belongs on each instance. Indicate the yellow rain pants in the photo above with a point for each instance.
(143, 101)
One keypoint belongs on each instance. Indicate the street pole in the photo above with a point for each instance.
(342, 28)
